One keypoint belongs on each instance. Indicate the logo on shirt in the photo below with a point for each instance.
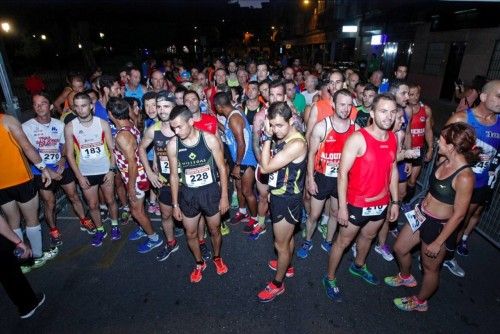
(54, 129)
(192, 156)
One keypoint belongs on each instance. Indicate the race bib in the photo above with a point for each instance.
(198, 177)
(331, 170)
(273, 180)
(165, 169)
(415, 219)
(373, 210)
(50, 156)
(93, 152)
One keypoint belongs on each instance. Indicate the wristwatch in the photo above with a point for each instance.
(41, 165)
(175, 205)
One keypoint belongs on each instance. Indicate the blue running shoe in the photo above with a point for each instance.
(115, 233)
(98, 238)
(149, 245)
(137, 234)
(332, 290)
(364, 274)
(326, 246)
(305, 249)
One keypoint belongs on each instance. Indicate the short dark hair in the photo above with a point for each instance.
(253, 82)
(395, 84)
(289, 81)
(279, 109)
(133, 68)
(383, 96)
(181, 111)
(189, 91)
(42, 94)
(164, 95)
(265, 81)
(342, 91)
(118, 107)
(370, 86)
(276, 83)
(82, 96)
(106, 81)
(222, 99)
(89, 91)
(149, 96)
(130, 100)
(180, 89)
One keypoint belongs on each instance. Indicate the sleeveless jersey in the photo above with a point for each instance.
(137, 93)
(198, 168)
(14, 168)
(325, 109)
(417, 127)
(207, 123)
(370, 174)
(142, 182)
(248, 157)
(160, 145)
(48, 140)
(250, 114)
(91, 152)
(488, 138)
(327, 159)
(363, 117)
(289, 180)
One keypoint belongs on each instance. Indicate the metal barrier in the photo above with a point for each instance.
(422, 184)
(489, 225)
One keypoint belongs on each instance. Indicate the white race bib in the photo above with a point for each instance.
(50, 156)
(93, 152)
(273, 179)
(165, 169)
(331, 170)
(373, 210)
(198, 177)
(415, 219)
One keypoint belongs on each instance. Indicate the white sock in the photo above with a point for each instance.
(243, 210)
(465, 237)
(34, 235)
(103, 207)
(19, 233)
(324, 220)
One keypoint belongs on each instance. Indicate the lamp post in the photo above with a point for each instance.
(11, 102)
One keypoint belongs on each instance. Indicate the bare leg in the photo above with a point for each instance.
(432, 267)
(109, 196)
(402, 248)
(191, 226)
(70, 190)
(247, 183)
(283, 234)
(49, 207)
(138, 212)
(332, 221)
(314, 214)
(368, 232)
(92, 197)
(167, 221)
(213, 224)
(344, 238)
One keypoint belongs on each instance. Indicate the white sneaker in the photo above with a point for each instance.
(385, 251)
(50, 254)
(454, 268)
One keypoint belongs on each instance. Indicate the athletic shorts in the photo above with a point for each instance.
(362, 216)
(165, 196)
(95, 180)
(481, 196)
(327, 187)
(21, 193)
(262, 178)
(67, 177)
(204, 200)
(432, 227)
(403, 177)
(286, 207)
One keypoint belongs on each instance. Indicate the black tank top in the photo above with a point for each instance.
(197, 163)
(442, 190)
(160, 145)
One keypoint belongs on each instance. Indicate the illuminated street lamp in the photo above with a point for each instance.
(43, 37)
(6, 27)
(272, 28)
(306, 2)
(101, 34)
(80, 45)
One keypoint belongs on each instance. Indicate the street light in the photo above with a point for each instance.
(101, 34)
(6, 27)
(272, 28)
(306, 2)
(43, 37)
(80, 45)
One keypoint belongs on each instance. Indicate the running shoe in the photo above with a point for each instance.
(354, 250)
(51, 253)
(257, 232)
(157, 209)
(149, 245)
(410, 304)
(234, 201)
(331, 289)
(205, 251)
(323, 229)
(115, 233)
(385, 251)
(397, 280)
(454, 268)
(152, 208)
(98, 238)
(167, 251)
(462, 248)
(137, 234)
(197, 273)
(270, 292)
(55, 237)
(250, 225)
(224, 228)
(364, 273)
(239, 218)
(38, 262)
(178, 232)
(26, 314)
(273, 264)
(87, 225)
(394, 233)
(326, 246)
(305, 249)
(25, 269)
(220, 266)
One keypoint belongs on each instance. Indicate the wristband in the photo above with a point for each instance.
(396, 202)
(265, 137)
(41, 165)
(175, 205)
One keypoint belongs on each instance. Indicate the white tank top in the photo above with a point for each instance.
(91, 152)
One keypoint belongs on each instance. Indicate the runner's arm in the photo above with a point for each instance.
(429, 134)
(126, 143)
(293, 150)
(313, 116)
(214, 146)
(108, 138)
(146, 140)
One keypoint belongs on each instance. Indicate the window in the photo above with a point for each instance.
(494, 69)
(434, 58)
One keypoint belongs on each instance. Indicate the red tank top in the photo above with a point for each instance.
(370, 174)
(325, 109)
(207, 123)
(327, 159)
(417, 127)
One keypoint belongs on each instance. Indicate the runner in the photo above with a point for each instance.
(287, 169)
(46, 134)
(363, 118)
(131, 169)
(88, 143)
(368, 179)
(325, 149)
(433, 222)
(133, 87)
(196, 192)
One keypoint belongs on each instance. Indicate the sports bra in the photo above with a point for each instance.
(442, 190)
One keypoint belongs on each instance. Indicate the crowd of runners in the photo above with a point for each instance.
(289, 148)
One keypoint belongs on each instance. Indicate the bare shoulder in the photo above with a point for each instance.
(460, 116)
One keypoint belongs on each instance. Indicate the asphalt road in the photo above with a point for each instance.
(114, 289)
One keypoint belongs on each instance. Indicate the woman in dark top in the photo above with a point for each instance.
(433, 222)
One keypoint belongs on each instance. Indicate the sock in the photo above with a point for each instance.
(201, 242)
(153, 237)
(277, 284)
(420, 301)
(19, 233)
(34, 235)
(100, 228)
(103, 207)
(450, 255)
(114, 222)
(243, 211)
(261, 220)
(172, 243)
(404, 276)
(465, 237)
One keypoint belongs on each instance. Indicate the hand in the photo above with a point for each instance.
(343, 216)
(235, 173)
(224, 205)
(433, 249)
(27, 250)
(428, 155)
(177, 213)
(154, 180)
(267, 128)
(312, 187)
(155, 167)
(84, 183)
(46, 177)
(109, 177)
(393, 212)
(60, 165)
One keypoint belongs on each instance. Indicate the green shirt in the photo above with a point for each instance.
(300, 103)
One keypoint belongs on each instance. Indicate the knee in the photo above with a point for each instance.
(73, 197)
(192, 233)
(341, 244)
(281, 247)
(93, 205)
